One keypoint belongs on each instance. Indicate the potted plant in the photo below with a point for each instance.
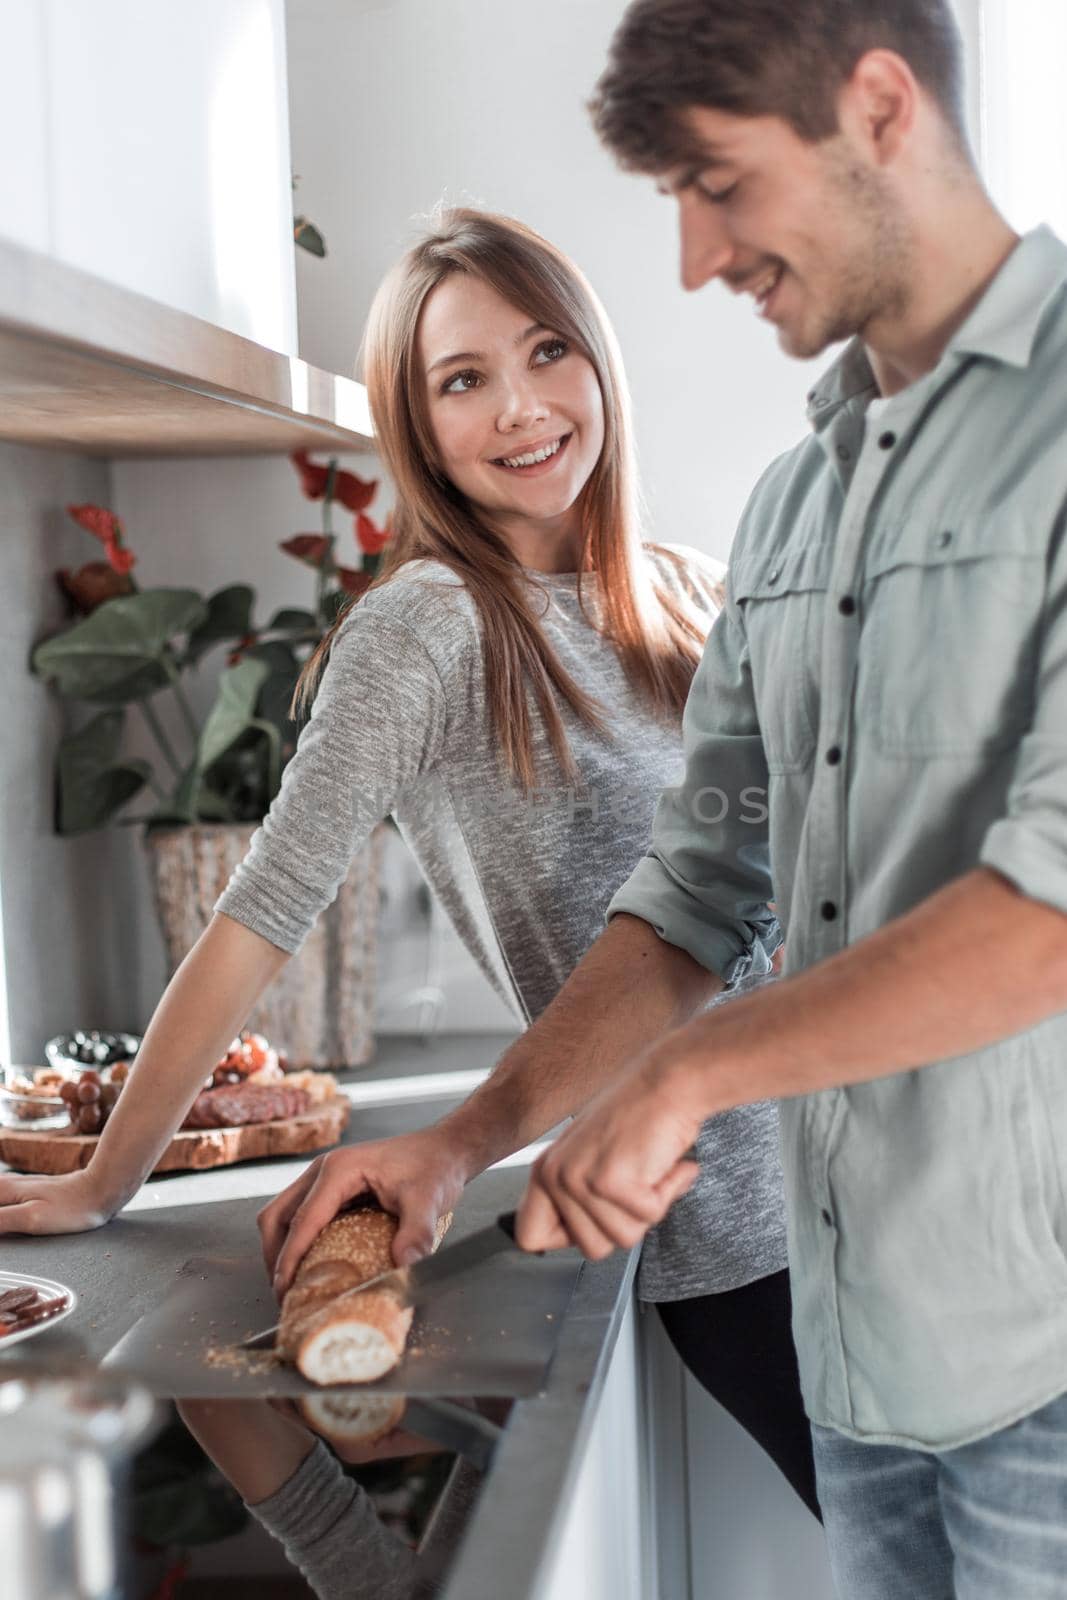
(126, 652)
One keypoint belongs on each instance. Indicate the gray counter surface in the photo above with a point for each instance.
(542, 1331)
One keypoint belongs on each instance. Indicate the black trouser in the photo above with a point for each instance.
(739, 1346)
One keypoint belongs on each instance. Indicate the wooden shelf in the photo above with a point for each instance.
(90, 367)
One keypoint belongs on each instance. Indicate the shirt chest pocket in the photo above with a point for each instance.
(951, 627)
(783, 602)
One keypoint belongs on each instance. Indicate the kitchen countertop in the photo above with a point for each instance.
(554, 1325)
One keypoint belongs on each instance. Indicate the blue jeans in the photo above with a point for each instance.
(987, 1521)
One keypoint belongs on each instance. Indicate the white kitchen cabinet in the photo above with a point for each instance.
(149, 144)
(674, 1501)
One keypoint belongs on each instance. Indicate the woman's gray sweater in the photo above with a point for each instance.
(401, 726)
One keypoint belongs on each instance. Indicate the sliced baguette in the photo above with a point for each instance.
(334, 1341)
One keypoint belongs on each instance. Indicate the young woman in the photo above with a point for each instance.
(511, 691)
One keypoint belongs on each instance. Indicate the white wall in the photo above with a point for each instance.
(1025, 113)
(150, 145)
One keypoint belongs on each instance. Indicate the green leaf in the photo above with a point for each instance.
(291, 620)
(147, 680)
(181, 807)
(277, 654)
(277, 690)
(274, 755)
(308, 236)
(229, 616)
(240, 777)
(117, 654)
(212, 806)
(332, 604)
(233, 710)
(91, 786)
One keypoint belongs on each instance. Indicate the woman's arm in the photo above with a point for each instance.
(202, 1008)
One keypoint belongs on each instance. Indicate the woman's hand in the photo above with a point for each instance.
(618, 1168)
(418, 1177)
(33, 1204)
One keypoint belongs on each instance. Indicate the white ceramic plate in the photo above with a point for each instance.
(49, 1288)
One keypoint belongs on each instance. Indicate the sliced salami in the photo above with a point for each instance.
(235, 1105)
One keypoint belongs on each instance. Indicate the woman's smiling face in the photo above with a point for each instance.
(517, 416)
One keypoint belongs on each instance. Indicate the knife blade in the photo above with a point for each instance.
(415, 1283)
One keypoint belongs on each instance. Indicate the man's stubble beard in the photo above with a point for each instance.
(873, 276)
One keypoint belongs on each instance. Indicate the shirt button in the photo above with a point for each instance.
(887, 441)
(774, 575)
(847, 606)
(828, 911)
(944, 540)
(827, 1217)
(844, 453)
(833, 755)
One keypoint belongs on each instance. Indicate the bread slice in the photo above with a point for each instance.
(334, 1341)
(348, 1417)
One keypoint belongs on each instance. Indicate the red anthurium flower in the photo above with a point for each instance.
(91, 585)
(311, 548)
(105, 526)
(313, 478)
(239, 649)
(372, 540)
(120, 560)
(354, 493)
(102, 524)
(350, 491)
(353, 581)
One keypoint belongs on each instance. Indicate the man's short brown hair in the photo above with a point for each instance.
(783, 58)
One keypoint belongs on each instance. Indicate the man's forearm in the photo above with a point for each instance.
(973, 964)
(628, 990)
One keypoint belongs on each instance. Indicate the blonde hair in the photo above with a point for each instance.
(657, 638)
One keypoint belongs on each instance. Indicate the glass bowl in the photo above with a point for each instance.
(30, 1101)
(71, 1053)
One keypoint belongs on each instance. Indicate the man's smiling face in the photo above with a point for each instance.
(813, 232)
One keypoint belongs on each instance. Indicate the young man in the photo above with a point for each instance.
(892, 670)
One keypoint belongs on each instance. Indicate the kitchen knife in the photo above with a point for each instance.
(413, 1284)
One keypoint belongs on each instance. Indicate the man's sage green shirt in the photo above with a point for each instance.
(892, 669)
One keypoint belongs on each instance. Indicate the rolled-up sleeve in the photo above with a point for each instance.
(705, 883)
(1028, 845)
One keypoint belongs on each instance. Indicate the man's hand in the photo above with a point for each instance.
(618, 1168)
(418, 1177)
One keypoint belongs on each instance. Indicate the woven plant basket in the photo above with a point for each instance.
(319, 1011)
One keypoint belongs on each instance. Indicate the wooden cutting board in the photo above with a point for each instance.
(56, 1152)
